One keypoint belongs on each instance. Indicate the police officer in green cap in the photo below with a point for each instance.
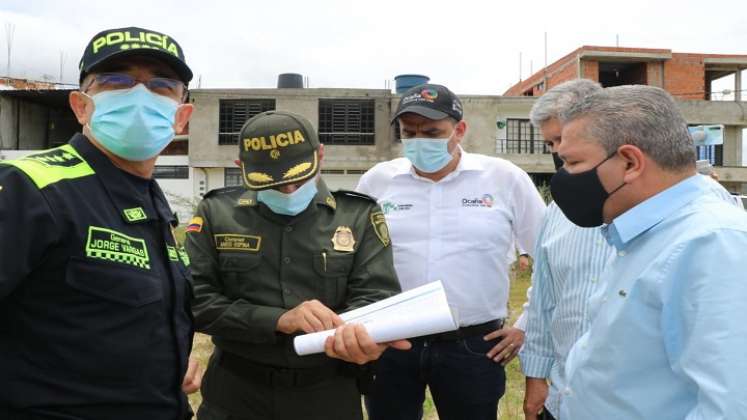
(280, 258)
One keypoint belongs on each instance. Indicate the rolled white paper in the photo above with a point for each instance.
(414, 313)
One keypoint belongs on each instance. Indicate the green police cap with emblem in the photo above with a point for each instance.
(122, 42)
(278, 148)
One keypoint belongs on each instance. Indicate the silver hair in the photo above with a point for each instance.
(644, 116)
(558, 99)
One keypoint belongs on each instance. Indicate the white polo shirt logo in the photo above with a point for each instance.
(485, 201)
(389, 207)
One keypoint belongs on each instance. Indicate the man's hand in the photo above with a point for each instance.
(508, 347)
(534, 397)
(193, 377)
(523, 262)
(310, 316)
(352, 343)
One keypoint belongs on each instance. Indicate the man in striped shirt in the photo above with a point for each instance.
(568, 263)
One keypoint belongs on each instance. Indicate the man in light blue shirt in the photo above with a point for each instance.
(569, 261)
(668, 329)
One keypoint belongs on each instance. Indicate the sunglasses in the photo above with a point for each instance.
(159, 85)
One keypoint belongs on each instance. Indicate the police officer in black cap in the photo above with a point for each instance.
(94, 290)
(281, 258)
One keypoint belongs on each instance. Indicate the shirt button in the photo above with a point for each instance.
(593, 280)
(287, 291)
(621, 253)
(287, 260)
(567, 391)
(604, 299)
(289, 228)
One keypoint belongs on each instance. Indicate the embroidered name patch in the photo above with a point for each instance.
(234, 242)
(110, 245)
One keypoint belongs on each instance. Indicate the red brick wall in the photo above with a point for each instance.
(591, 70)
(684, 76)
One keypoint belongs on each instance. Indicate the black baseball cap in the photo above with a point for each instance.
(434, 102)
(122, 42)
(277, 148)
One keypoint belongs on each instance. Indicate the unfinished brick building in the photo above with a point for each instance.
(684, 75)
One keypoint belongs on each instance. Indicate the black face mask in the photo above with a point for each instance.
(581, 196)
(557, 161)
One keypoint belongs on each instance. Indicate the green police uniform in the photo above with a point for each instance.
(251, 265)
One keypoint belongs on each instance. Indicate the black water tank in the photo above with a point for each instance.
(290, 81)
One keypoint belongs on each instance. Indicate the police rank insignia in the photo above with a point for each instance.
(380, 228)
(343, 239)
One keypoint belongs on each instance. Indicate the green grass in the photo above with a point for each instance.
(510, 407)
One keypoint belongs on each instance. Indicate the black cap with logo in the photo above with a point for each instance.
(277, 148)
(434, 102)
(134, 41)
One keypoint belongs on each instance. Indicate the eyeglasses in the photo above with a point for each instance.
(164, 86)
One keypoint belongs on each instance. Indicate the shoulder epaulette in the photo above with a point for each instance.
(53, 165)
(355, 194)
(221, 191)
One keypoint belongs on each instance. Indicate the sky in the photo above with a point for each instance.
(471, 46)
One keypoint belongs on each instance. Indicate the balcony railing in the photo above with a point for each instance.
(526, 147)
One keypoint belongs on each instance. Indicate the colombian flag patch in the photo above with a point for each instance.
(195, 225)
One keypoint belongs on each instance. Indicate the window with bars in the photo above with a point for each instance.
(171, 172)
(523, 137)
(232, 177)
(233, 114)
(346, 121)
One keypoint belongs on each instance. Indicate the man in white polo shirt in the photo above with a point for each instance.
(453, 216)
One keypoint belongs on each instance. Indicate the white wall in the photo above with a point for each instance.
(180, 192)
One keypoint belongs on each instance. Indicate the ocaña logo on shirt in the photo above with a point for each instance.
(389, 207)
(485, 201)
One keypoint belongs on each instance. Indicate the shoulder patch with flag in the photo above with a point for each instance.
(195, 225)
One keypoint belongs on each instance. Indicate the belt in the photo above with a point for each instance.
(276, 376)
(464, 332)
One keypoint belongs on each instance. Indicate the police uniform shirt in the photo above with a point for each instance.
(94, 291)
(459, 229)
(251, 265)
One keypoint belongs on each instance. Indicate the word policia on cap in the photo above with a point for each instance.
(275, 141)
(142, 40)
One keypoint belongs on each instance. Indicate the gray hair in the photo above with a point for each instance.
(558, 99)
(643, 116)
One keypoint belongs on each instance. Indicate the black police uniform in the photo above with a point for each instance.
(94, 291)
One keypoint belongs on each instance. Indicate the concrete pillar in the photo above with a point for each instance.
(579, 68)
(738, 86)
(732, 145)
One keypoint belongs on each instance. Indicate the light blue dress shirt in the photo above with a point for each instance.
(668, 337)
(569, 261)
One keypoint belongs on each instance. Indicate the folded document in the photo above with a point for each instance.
(420, 311)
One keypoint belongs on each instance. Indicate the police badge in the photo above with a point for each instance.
(343, 239)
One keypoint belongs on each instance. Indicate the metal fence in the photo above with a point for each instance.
(517, 146)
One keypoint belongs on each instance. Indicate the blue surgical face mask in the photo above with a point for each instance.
(289, 204)
(134, 124)
(426, 154)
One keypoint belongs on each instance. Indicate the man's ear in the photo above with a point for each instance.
(183, 114)
(320, 152)
(635, 162)
(82, 106)
(460, 129)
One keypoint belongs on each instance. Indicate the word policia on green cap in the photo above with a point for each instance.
(275, 141)
(143, 40)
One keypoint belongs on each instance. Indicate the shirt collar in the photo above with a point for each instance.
(130, 203)
(652, 211)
